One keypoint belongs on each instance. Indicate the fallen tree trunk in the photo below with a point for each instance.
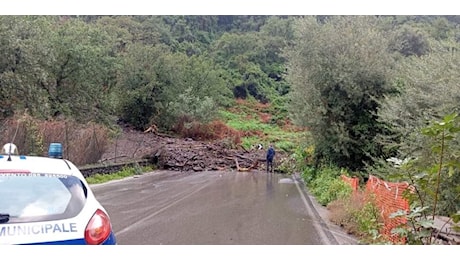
(240, 169)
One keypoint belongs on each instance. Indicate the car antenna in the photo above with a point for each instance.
(12, 142)
(9, 152)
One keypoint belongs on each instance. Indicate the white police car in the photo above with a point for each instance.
(48, 201)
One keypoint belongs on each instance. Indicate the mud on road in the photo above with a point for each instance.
(185, 154)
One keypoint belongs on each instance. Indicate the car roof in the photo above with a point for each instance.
(37, 164)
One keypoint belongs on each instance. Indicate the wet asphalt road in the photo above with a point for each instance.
(215, 208)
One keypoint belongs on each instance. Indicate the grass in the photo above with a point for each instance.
(255, 121)
(124, 173)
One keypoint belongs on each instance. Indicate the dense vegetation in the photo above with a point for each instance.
(367, 88)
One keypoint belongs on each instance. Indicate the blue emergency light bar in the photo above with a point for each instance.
(55, 150)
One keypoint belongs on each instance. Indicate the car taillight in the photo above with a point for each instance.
(98, 228)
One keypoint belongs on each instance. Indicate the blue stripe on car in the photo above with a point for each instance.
(109, 241)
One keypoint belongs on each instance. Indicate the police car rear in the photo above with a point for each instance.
(48, 201)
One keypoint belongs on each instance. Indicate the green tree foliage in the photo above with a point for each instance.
(239, 54)
(68, 65)
(193, 34)
(435, 182)
(79, 72)
(160, 87)
(428, 91)
(254, 60)
(410, 41)
(54, 66)
(276, 34)
(141, 82)
(338, 70)
(441, 28)
(241, 23)
(86, 66)
(123, 30)
(23, 64)
(444, 169)
(198, 91)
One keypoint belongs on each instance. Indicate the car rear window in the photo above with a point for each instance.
(30, 197)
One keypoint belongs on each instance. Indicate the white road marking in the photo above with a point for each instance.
(318, 227)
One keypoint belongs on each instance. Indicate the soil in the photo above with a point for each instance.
(184, 154)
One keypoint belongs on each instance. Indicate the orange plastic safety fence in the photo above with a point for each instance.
(353, 181)
(389, 199)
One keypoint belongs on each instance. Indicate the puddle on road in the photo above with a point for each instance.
(286, 181)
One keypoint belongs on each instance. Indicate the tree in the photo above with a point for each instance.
(196, 92)
(25, 53)
(254, 62)
(140, 83)
(410, 41)
(160, 87)
(79, 71)
(240, 55)
(276, 34)
(429, 90)
(338, 70)
(435, 181)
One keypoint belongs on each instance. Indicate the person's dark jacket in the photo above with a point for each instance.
(270, 154)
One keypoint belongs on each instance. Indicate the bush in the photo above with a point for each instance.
(82, 143)
(358, 216)
(137, 110)
(368, 220)
(308, 175)
(327, 186)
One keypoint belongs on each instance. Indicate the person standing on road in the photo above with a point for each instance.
(270, 158)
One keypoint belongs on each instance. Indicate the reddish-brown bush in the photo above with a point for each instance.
(82, 143)
(342, 210)
(215, 130)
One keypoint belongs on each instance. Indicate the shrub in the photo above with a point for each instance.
(308, 175)
(359, 216)
(327, 186)
(368, 219)
(82, 143)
